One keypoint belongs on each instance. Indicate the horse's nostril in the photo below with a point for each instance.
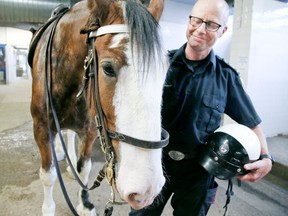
(131, 197)
(136, 198)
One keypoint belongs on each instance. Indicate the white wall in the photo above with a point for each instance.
(173, 24)
(268, 67)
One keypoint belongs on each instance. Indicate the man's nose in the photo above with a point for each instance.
(202, 27)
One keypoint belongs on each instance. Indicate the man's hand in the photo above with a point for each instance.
(258, 170)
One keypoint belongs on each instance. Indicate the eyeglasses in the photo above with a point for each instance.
(209, 25)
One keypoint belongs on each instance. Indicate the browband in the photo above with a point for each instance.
(109, 29)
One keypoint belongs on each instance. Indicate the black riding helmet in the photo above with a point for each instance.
(228, 149)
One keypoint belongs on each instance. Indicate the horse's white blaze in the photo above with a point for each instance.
(116, 41)
(138, 114)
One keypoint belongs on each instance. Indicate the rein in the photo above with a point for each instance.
(49, 105)
(104, 134)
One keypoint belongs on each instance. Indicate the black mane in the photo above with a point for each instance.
(143, 32)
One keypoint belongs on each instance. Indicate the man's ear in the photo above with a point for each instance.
(223, 31)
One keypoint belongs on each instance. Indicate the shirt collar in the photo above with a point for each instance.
(180, 56)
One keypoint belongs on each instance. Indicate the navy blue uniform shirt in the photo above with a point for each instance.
(195, 96)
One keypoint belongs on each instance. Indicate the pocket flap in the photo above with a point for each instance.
(213, 102)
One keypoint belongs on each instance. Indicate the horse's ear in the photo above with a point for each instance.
(155, 7)
(98, 12)
(145, 2)
(92, 24)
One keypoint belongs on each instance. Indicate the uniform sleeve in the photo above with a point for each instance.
(239, 106)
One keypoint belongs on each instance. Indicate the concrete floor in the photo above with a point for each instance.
(15, 104)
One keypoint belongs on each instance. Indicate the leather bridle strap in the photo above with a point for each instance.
(50, 107)
(141, 143)
(105, 134)
(111, 29)
(108, 29)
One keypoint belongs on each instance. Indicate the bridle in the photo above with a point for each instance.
(104, 134)
(100, 119)
(107, 134)
(91, 70)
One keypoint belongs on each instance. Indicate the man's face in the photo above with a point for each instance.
(199, 38)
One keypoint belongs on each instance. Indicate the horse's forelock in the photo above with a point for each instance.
(143, 32)
(143, 28)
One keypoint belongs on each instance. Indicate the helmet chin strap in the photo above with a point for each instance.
(230, 193)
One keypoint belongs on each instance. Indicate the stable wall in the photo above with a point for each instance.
(268, 64)
(259, 53)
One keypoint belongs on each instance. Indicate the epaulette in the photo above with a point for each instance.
(171, 53)
(225, 64)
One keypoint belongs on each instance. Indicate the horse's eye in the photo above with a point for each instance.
(108, 69)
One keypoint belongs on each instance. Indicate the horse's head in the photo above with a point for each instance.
(131, 72)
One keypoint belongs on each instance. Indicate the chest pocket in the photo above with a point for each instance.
(213, 110)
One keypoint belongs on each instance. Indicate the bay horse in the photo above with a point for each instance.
(122, 37)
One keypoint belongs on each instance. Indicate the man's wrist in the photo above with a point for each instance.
(267, 156)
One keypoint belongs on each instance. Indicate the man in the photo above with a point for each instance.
(199, 88)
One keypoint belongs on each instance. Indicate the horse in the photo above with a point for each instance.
(123, 75)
